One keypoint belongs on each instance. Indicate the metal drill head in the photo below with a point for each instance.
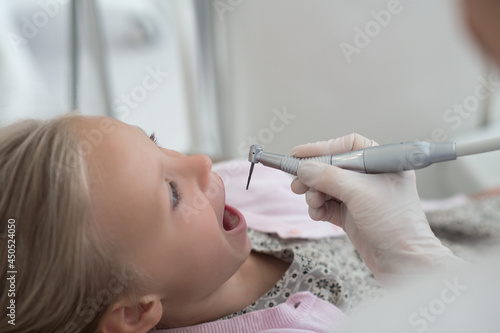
(254, 153)
(253, 157)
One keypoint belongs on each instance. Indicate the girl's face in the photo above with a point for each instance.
(164, 211)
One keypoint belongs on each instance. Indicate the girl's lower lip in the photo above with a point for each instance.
(242, 225)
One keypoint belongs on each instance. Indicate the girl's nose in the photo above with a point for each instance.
(173, 153)
(201, 165)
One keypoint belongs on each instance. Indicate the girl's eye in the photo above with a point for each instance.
(175, 194)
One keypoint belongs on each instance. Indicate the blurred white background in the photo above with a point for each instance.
(215, 76)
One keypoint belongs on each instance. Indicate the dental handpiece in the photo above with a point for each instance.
(388, 158)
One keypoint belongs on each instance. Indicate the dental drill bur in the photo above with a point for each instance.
(389, 158)
(250, 174)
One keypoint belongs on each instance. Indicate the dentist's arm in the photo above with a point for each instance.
(381, 214)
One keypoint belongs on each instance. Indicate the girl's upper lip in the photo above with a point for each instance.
(221, 211)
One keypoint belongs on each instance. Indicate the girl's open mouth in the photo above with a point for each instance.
(231, 218)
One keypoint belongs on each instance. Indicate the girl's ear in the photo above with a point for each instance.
(125, 316)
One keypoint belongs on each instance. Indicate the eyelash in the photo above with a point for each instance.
(153, 138)
(176, 195)
(174, 190)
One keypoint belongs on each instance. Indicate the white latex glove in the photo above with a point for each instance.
(381, 214)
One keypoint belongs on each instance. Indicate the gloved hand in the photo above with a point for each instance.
(381, 214)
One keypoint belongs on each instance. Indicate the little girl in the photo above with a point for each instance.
(116, 234)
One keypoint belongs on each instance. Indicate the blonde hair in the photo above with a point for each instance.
(66, 274)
